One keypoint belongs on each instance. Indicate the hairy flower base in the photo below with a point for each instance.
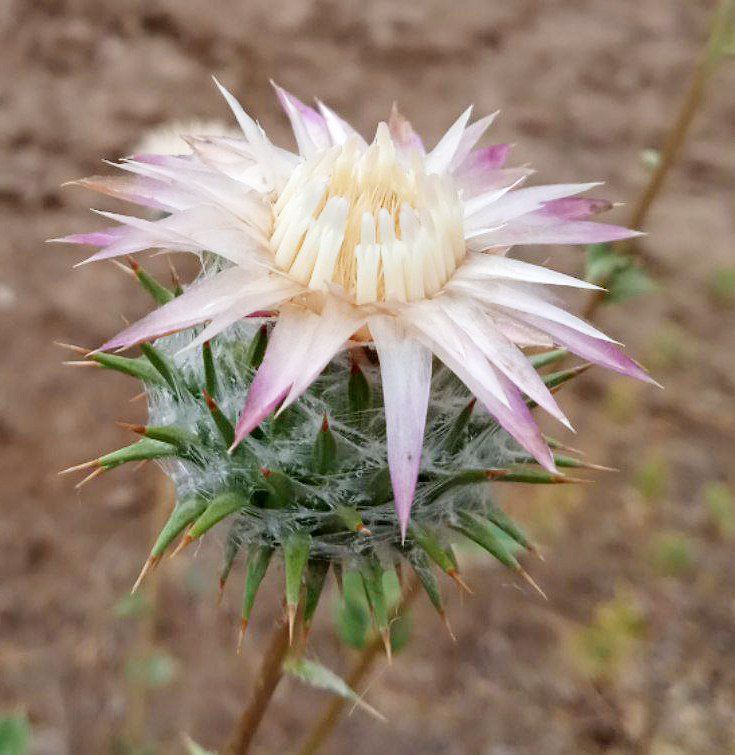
(311, 486)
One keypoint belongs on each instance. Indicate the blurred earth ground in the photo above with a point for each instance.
(635, 649)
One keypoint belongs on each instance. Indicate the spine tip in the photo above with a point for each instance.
(241, 634)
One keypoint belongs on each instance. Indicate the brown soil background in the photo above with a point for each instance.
(584, 87)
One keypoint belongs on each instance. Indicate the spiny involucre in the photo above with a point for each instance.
(384, 250)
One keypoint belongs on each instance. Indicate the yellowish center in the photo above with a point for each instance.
(370, 221)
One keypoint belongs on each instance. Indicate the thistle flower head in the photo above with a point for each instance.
(394, 252)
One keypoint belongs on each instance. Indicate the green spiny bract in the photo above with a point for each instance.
(311, 484)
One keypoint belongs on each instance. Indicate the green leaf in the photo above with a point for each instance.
(192, 748)
(602, 262)
(650, 158)
(155, 670)
(651, 479)
(672, 554)
(628, 283)
(130, 606)
(721, 504)
(15, 735)
(619, 273)
(722, 286)
(321, 677)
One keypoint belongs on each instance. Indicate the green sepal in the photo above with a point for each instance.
(428, 541)
(259, 557)
(324, 455)
(529, 476)
(139, 367)
(210, 373)
(296, 553)
(547, 358)
(350, 517)
(225, 427)
(379, 487)
(161, 363)
(449, 482)
(143, 450)
(487, 536)
(372, 579)
(281, 492)
(556, 379)
(173, 434)
(231, 549)
(183, 515)
(453, 439)
(159, 292)
(501, 520)
(219, 508)
(359, 393)
(256, 350)
(419, 561)
(565, 462)
(316, 575)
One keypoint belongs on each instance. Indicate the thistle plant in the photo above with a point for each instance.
(345, 382)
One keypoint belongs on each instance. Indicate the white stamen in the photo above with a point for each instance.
(393, 273)
(368, 262)
(331, 241)
(363, 219)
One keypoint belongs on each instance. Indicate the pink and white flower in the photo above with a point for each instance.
(380, 242)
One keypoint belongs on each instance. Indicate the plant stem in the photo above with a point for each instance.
(269, 675)
(675, 139)
(328, 721)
